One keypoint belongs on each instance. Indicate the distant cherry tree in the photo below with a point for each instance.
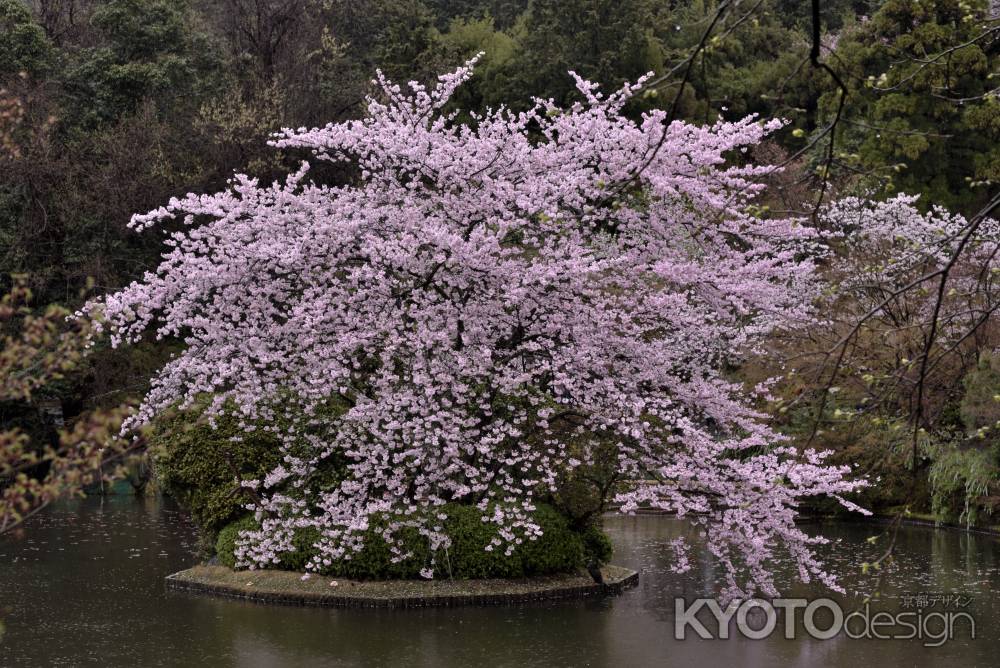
(488, 304)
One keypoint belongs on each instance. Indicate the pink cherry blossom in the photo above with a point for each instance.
(484, 298)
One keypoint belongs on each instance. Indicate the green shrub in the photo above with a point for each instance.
(467, 557)
(225, 545)
(196, 464)
(296, 560)
(374, 560)
(558, 550)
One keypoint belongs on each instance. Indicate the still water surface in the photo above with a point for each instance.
(84, 585)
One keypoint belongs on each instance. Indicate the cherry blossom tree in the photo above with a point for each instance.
(913, 302)
(486, 304)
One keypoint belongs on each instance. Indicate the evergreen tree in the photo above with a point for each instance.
(923, 111)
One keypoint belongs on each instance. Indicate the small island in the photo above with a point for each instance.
(200, 464)
(286, 587)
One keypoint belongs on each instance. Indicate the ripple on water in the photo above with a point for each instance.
(86, 584)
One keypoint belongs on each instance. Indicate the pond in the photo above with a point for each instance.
(84, 585)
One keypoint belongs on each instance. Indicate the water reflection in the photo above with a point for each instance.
(85, 583)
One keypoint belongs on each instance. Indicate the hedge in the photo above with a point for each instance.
(558, 550)
(196, 463)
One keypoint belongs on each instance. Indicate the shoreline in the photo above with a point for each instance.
(288, 588)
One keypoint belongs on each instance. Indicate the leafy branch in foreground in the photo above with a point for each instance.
(38, 349)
